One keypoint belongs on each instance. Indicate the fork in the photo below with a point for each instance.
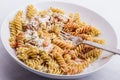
(79, 40)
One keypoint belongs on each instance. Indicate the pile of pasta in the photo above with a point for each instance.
(36, 37)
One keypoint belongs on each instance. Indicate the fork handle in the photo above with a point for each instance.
(106, 48)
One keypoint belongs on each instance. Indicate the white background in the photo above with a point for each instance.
(109, 9)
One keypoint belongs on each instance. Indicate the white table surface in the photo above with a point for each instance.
(109, 9)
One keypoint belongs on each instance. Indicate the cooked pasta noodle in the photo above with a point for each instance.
(61, 61)
(15, 27)
(62, 44)
(56, 10)
(31, 11)
(19, 39)
(38, 42)
(12, 29)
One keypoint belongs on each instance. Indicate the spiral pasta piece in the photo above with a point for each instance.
(18, 24)
(46, 58)
(94, 32)
(71, 24)
(95, 53)
(13, 33)
(43, 13)
(75, 68)
(56, 10)
(75, 17)
(31, 11)
(80, 48)
(87, 48)
(84, 36)
(60, 61)
(54, 68)
(56, 29)
(19, 14)
(62, 44)
(84, 29)
(20, 39)
(72, 53)
(58, 49)
(12, 29)
(21, 50)
(22, 56)
(13, 42)
(97, 40)
(88, 30)
(18, 21)
(34, 63)
(25, 53)
(67, 58)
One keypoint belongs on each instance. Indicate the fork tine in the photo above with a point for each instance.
(68, 36)
(64, 36)
(65, 33)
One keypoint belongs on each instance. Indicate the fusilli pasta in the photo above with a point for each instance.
(39, 44)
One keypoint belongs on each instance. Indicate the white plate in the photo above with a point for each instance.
(88, 16)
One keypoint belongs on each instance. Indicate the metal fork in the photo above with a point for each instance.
(79, 40)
